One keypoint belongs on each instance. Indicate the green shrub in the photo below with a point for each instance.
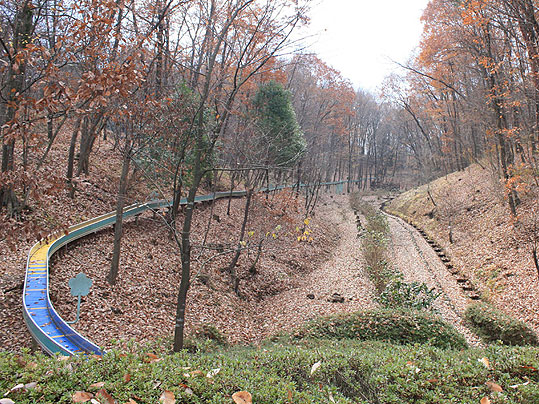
(414, 295)
(493, 325)
(376, 221)
(347, 372)
(380, 273)
(396, 326)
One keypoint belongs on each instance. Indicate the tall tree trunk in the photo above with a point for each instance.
(232, 179)
(201, 152)
(232, 266)
(160, 50)
(71, 158)
(529, 27)
(536, 260)
(23, 28)
(350, 151)
(298, 181)
(177, 191)
(118, 227)
(85, 146)
(186, 246)
(501, 126)
(90, 128)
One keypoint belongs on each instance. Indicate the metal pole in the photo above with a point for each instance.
(78, 311)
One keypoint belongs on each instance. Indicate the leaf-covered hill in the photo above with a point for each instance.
(466, 213)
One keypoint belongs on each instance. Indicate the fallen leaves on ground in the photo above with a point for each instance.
(106, 398)
(197, 373)
(485, 362)
(494, 387)
(187, 390)
(213, 373)
(315, 367)
(81, 397)
(516, 386)
(151, 358)
(242, 397)
(167, 397)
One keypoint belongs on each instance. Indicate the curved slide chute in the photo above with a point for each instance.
(49, 330)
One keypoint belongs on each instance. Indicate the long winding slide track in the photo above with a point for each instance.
(48, 329)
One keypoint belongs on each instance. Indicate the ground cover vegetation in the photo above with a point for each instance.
(344, 371)
(398, 326)
(494, 325)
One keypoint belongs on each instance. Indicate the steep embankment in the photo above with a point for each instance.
(466, 214)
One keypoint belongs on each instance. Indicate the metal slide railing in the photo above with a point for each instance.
(48, 329)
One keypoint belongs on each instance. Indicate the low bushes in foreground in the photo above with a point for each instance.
(314, 371)
(396, 326)
(492, 324)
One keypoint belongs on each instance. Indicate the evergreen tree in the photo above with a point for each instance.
(277, 121)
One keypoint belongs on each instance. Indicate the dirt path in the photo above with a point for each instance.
(342, 274)
(414, 257)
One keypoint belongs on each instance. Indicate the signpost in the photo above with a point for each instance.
(80, 286)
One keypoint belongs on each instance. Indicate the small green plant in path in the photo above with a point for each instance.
(413, 295)
(493, 325)
(392, 291)
(374, 246)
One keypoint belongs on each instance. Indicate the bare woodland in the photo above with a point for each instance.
(194, 96)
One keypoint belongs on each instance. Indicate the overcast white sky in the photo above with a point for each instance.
(359, 37)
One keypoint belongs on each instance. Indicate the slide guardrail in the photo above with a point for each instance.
(51, 332)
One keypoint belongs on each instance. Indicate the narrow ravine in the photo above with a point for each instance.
(320, 292)
(344, 275)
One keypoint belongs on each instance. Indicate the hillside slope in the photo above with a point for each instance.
(487, 244)
(142, 305)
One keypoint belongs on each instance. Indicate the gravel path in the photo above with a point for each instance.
(414, 257)
(343, 274)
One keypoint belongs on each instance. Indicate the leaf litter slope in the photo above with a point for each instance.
(141, 306)
(294, 281)
(342, 274)
(51, 210)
